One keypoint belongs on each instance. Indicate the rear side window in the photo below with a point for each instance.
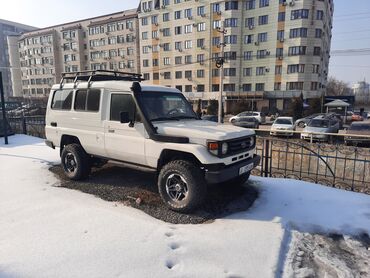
(87, 100)
(62, 100)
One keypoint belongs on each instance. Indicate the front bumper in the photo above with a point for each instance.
(216, 173)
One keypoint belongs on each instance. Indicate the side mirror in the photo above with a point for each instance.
(125, 118)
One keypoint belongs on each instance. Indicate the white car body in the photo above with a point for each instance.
(283, 126)
(256, 115)
(103, 138)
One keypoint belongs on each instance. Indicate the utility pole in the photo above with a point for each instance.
(220, 65)
(5, 122)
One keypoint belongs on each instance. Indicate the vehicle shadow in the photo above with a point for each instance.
(139, 189)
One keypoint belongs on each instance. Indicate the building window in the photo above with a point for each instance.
(229, 71)
(177, 15)
(188, 74)
(200, 88)
(179, 87)
(280, 35)
(201, 27)
(216, 7)
(200, 43)
(200, 58)
(188, 28)
(229, 87)
(166, 61)
(260, 86)
(231, 39)
(146, 76)
(294, 85)
(317, 51)
(200, 73)
(248, 39)
(318, 33)
(249, 22)
(262, 37)
(166, 17)
(296, 68)
(201, 11)
(299, 14)
(298, 33)
(178, 60)
(277, 86)
(319, 15)
(215, 87)
(155, 76)
(248, 55)
(188, 59)
(250, 5)
(231, 5)
(278, 70)
(145, 63)
(314, 86)
(260, 71)
(231, 22)
(281, 16)
(263, 19)
(167, 75)
(264, 3)
(178, 74)
(215, 72)
(247, 87)
(188, 88)
(188, 44)
(247, 71)
(261, 54)
(315, 68)
(297, 50)
(188, 13)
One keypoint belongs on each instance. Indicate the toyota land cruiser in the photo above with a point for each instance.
(99, 116)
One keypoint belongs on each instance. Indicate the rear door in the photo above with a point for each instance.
(124, 142)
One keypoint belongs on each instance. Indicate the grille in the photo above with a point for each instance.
(239, 145)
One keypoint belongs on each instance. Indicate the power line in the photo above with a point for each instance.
(349, 15)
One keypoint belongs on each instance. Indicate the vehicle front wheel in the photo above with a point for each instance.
(181, 185)
(75, 162)
(301, 124)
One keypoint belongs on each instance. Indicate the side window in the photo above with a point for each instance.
(62, 100)
(87, 100)
(122, 103)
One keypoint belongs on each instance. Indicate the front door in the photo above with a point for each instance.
(123, 141)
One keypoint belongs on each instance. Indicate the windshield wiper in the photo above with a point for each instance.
(163, 119)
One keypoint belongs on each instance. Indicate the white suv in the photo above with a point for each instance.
(105, 115)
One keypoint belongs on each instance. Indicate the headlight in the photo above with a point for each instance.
(225, 148)
(213, 147)
(252, 141)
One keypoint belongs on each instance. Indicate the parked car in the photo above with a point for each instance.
(248, 122)
(358, 129)
(320, 125)
(303, 121)
(356, 117)
(283, 126)
(258, 115)
(110, 116)
(212, 118)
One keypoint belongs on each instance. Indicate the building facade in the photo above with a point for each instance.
(9, 28)
(273, 49)
(106, 42)
(361, 90)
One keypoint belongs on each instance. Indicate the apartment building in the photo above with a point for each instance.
(274, 49)
(106, 42)
(9, 29)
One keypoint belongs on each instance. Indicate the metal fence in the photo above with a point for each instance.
(339, 166)
(30, 125)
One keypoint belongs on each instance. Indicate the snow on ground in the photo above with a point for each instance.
(46, 231)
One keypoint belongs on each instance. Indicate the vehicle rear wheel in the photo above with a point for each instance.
(75, 162)
(232, 121)
(182, 185)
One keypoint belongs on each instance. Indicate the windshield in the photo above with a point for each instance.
(162, 106)
(319, 123)
(360, 127)
(283, 122)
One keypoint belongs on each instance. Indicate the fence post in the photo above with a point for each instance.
(266, 157)
(24, 127)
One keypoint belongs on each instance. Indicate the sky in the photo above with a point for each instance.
(351, 26)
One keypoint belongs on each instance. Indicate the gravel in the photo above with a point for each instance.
(332, 255)
(139, 190)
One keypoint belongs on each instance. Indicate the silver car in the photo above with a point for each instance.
(317, 128)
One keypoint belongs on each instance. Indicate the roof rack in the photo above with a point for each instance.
(99, 75)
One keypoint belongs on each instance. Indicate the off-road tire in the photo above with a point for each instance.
(82, 162)
(195, 181)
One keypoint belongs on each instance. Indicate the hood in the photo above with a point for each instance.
(276, 126)
(315, 129)
(199, 131)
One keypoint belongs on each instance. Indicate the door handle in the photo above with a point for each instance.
(54, 124)
(111, 130)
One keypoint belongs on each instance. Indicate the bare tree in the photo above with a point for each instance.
(337, 87)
